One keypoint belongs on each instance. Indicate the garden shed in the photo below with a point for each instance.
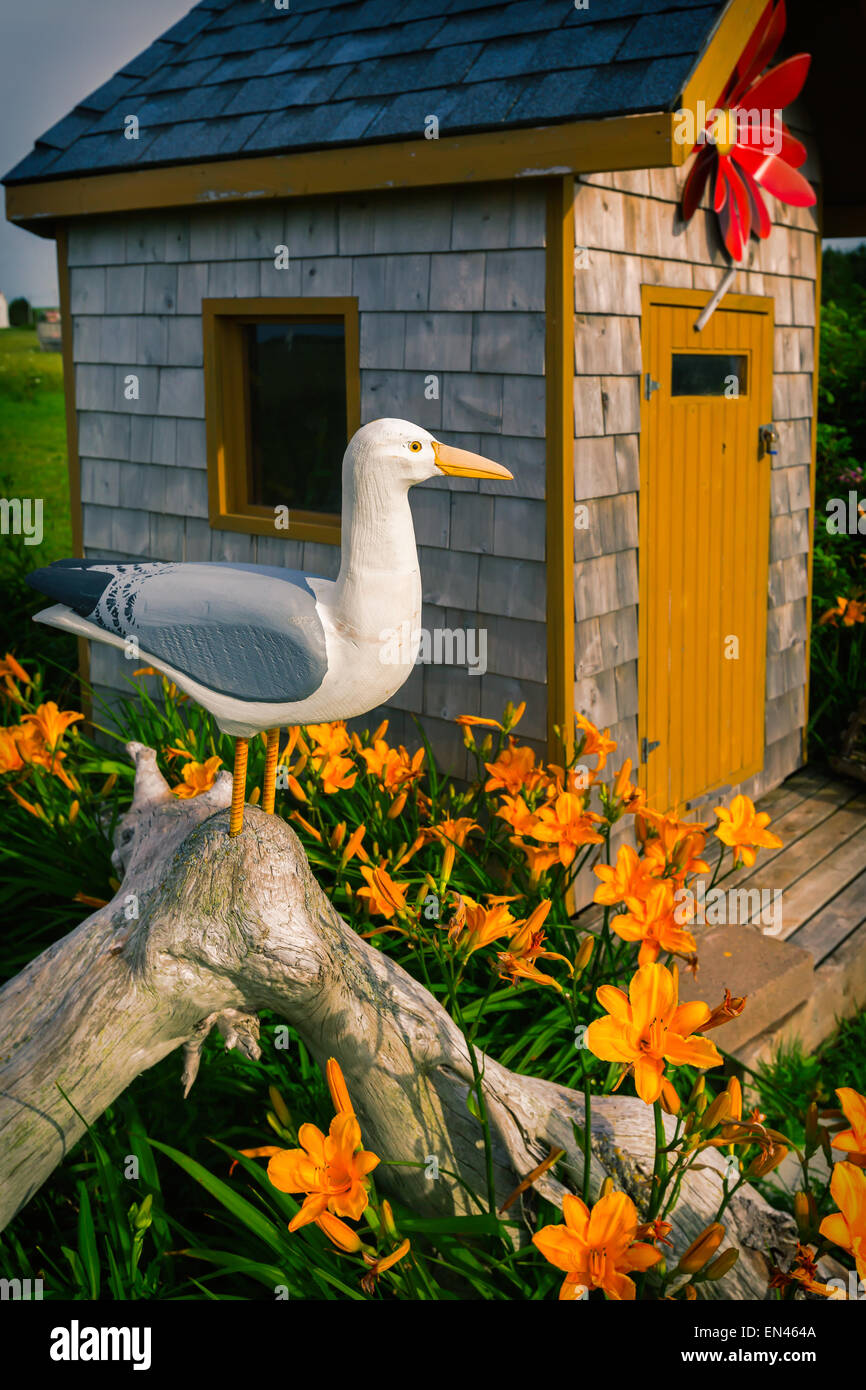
(280, 222)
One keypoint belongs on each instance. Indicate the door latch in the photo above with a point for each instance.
(646, 748)
(650, 386)
(768, 440)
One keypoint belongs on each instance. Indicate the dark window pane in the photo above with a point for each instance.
(297, 406)
(709, 374)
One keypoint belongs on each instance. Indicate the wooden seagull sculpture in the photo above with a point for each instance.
(261, 647)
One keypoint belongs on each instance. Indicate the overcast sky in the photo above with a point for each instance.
(54, 52)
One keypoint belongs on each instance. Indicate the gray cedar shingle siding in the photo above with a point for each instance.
(248, 79)
(143, 461)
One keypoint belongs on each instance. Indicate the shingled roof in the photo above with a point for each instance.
(240, 77)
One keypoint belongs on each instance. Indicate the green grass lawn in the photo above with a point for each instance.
(33, 436)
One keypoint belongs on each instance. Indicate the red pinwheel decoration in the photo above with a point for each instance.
(747, 144)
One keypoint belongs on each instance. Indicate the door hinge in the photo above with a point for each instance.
(646, 748)
(650, 385)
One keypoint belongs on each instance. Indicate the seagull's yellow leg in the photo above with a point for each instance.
(269, 788)
(239, 787)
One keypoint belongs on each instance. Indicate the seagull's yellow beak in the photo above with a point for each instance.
(460, 463)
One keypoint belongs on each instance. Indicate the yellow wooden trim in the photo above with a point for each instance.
(73, 460)
(718, 60)
(813, 463)
(760, 388)
(227, 410)
(620, 142)
(559, 386)
(697, 299)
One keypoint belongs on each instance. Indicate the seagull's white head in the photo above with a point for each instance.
(409, 454)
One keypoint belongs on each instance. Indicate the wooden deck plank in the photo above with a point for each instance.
(821, 885)
(823, 933)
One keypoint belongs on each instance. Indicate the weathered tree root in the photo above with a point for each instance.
(228, 926)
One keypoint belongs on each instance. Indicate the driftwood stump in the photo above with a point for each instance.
(226, 927)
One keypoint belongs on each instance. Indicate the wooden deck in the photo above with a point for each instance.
(821, 874)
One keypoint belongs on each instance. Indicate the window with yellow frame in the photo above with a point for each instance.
(282, 399)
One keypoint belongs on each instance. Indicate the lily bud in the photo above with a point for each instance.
(725, 1262)
(812, 1135)
(397, 805)
(735, 1092)
(338, 835)
(698, 1089)
(388, 1220)
(296, 789)
(448, 857)
(584, 955)
(280, 1107)
(702, 1250)
(805, 1214)
(606, 1187)
(718, 1112)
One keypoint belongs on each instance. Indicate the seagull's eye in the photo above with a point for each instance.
(416, 446)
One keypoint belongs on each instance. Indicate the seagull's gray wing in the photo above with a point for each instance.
(252, 632)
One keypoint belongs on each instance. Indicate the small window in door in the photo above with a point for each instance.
(709, 374)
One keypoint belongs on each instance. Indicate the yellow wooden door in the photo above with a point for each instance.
(704, 542)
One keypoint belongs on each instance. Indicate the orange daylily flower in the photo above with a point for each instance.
(515, 812)
(51, 722)
(852, 1141)
(10, 753)
(850, 610)
(526, 947)
(601, 744)
(651, 921)
(538, 860)
(677, 847)
(197, 778)
(338, 774)
(30, 741)
(330, 1169)
(385, 896)
(597, 1249)
(478, 926)
(565, 823)
(630, 877)
(328, 740)
(454, 830)
(847, 1226)
(648, 1028)
(743, 829)
(514, 770)
(10, 672)
(392, 767)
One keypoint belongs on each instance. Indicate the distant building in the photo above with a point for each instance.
(4, 311)
(49, 331)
